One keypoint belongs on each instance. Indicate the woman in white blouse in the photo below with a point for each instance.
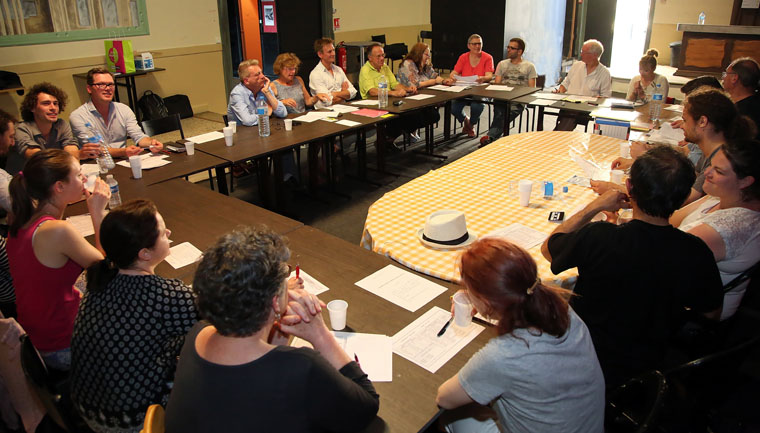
(728, 217)
(643, 86)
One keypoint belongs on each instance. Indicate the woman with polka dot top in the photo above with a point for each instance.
(131, 323)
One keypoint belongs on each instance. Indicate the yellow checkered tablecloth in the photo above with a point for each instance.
(479, 186)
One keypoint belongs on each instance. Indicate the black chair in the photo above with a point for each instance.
(396, 52)
(636, 405)
(51, 387)
(379, 38)
(426, 34)
(169, 124)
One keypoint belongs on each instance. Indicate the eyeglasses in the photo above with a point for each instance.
(723, 75)
(290, 68)
(476, 43)
(103, 86)
(513, 48)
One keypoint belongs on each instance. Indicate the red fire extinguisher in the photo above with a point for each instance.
(342, 57)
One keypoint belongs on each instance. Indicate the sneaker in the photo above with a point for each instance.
(485, 140)
(414, 137)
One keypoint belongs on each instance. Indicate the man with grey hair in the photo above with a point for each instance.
(587, 78)
(253, 82)
(742, 82)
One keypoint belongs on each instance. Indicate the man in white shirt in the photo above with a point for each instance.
(327, 81)
(113, 120)
(587, 78)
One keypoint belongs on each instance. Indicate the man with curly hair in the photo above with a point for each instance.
(41, 127)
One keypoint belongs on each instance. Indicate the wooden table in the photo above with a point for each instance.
(407, 404)
(198, 215)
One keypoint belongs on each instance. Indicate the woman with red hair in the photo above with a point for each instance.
(541, 372)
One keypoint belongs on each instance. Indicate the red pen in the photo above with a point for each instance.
(298, 272)
(356, 358)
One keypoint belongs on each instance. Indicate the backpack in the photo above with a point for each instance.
(179, 104)
(151, 106)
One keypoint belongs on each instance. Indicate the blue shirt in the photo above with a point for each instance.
(242, 106)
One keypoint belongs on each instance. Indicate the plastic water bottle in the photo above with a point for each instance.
(261, 112)
(382, 92)
(105, 161)
(655, 105)
(115, 199)
(701, 19)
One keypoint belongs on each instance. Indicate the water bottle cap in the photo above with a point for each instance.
(564, 189)
(109, 177)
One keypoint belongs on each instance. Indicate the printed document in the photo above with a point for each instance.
(375, 352)
(83, 224)
(420, 96)
(311, 284)
(209, 136)
(500, 87)
(403, 288)
(519, 234)
(419, 341)
(149, 161)
(183, 254)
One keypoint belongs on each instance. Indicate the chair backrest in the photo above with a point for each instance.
(40, 380)
(154, 419)
(541, 81)
(426, 34)
(396, 51)
(162, 125)
(636, 405)
(379, 38)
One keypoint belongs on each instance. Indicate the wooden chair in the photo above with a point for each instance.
(154, 419)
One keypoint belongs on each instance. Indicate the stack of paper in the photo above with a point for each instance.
(149, 160)
(374, 351)
(500, 87)
(420, 96)
(340, 108)
(551, 96)
(367, 112)
(311, 116)
(447, 88)
(209, 136)
(365, 102)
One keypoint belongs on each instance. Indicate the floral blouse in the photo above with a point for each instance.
(410, 75)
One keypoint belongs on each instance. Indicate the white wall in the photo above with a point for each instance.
(364, 14)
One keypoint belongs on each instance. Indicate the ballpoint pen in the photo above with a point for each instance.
(445, 327)
(356, 358)
(298, 272)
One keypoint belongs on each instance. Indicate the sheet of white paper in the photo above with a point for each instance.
(401, 287)
(676, 108)
(608, 113)
(420, 96)
(346, 122)
(83, 224)
(209, 136)
(311, 284)
(500, 87)
(552, 96)
(590, 169)
(666, 134)
(88, 169)
(609, 101)
(419, 341)
(311, 116)
(544, 102)
(375, 352)
(340, 108)
(149, 161)
(519, 234)
(365, 102)
(580, 98)
(468, 79)
(454, 89)
(183, 255)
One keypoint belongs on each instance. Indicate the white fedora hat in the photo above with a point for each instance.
(446, 229)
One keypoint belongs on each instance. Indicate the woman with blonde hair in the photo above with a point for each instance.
(540, 373)
(288, 87)
(644, 85)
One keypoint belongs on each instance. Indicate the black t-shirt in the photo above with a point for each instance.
(634, 281)
(750, 107)
(287, 389)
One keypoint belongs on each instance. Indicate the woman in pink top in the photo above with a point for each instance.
(478, 63)
(46, 253)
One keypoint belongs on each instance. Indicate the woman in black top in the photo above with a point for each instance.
(131, 323)
(235, 372)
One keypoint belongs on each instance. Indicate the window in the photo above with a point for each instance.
(628, 43)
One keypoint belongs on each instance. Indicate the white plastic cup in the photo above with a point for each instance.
(625, 149)
(524, 187)
(228, 135)
(337, 309)
(288, 124)
(616, 176)
(190, 148)
(233, 124)
(462, 310)
(135, 162)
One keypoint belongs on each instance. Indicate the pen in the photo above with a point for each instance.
(356, 358)
(298, 271)
(445, 327)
